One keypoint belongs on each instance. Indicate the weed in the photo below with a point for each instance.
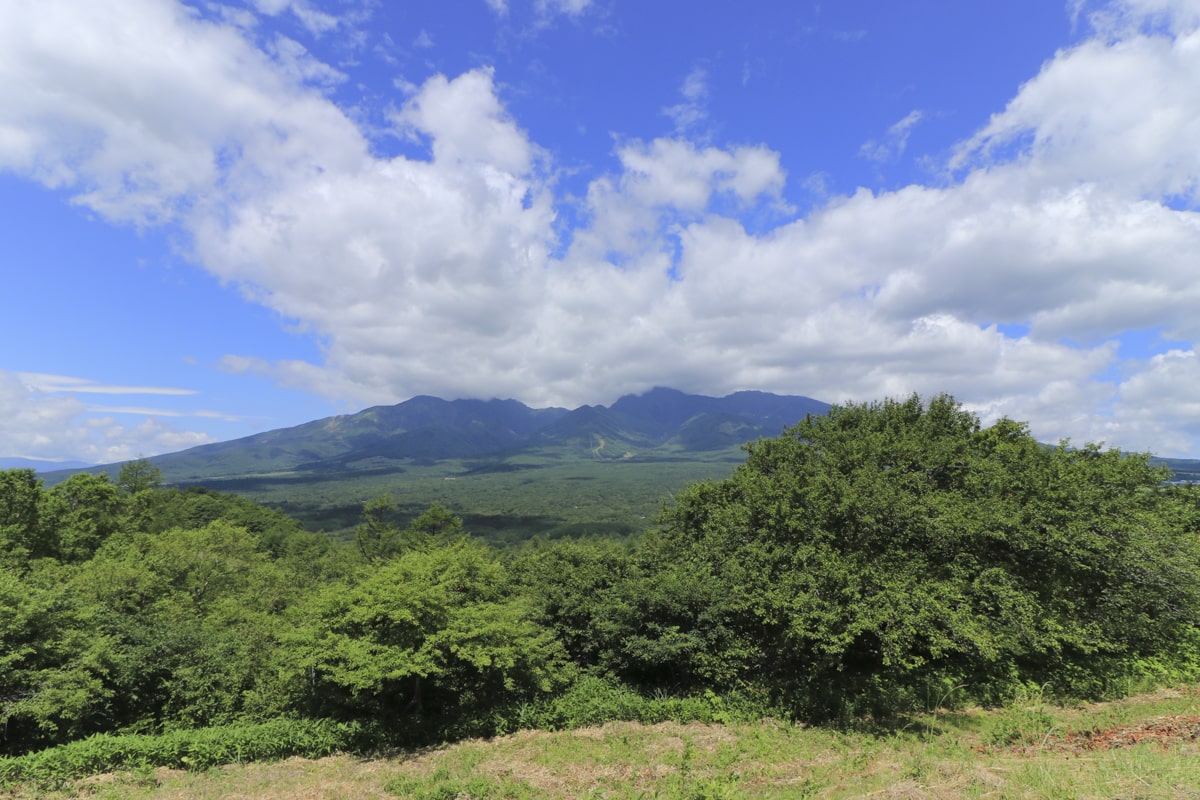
(1024, 720)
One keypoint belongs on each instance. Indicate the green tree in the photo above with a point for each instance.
(196, 616)
(138, 475)
(870, 554)
(436, 525)
(80, 514)
(20, 519)
(634, 612)
(53, 663)
(430, 634)
(378, 539)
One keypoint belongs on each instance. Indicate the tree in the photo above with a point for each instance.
(871, 553)
(52, 662)
(430, 633)
(634, 612)
(83, 511)
(20, 528)
(138, 476)
(379, 540)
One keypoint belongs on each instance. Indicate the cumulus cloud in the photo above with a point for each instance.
(1157, 408)
(142, 110)
(1120, 114)
(1069, 216)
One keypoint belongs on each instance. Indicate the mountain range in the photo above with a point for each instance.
(661, 424)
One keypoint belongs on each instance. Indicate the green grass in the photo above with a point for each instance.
(937, 755)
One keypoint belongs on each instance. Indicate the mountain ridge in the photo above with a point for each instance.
(661, 423)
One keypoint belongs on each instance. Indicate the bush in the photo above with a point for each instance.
(594, 700)
(192, 750)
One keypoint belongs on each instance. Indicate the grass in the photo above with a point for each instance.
(1142, 747)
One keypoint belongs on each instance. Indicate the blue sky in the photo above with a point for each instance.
(222, 218)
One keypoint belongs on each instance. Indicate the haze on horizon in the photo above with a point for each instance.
(222, 218)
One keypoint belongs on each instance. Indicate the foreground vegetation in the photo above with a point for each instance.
(866, 566)
(1143, 747)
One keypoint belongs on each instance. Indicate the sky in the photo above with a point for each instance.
(220, 218)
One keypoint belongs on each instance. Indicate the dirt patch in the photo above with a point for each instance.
(1165, 732)
(1160, 730)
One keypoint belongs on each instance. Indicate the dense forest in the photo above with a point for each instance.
(882, 558)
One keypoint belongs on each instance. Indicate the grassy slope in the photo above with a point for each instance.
(1142, 747)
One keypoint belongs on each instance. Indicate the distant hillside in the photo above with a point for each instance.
(662, 424)
(1184, 469)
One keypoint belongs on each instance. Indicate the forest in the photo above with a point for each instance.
(882, 559)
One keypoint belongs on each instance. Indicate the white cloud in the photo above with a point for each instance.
(142, 110)
(1125, 17)
(570, 8)
(467, 124)
(895, 142)
(299, 66)
(315, 20)
(43, 382)
(1124, 115)
(41, 418)
(693, 106)
(1157, 408)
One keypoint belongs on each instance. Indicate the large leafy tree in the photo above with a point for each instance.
(21, 536)
(53, 662)
(79, 514)
(138, 476)
(432, 632)
(636, 612)
(873, 553)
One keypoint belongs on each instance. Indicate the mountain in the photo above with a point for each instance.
(662, 424)
(423, 429)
